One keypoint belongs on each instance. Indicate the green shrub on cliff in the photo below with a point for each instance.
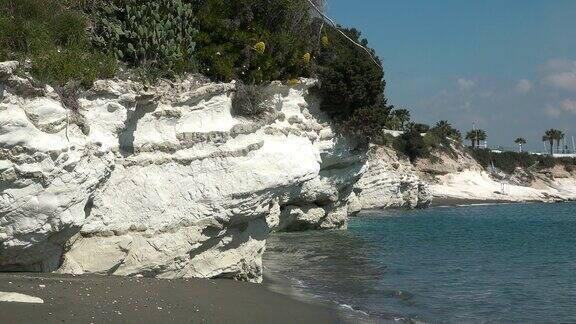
(443, 138)
(367, 122)
(52, 38)
(411, 143)
(255, 40)
(509, 161)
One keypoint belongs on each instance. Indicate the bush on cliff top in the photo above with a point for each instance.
(250, 101)
(255, 40)
(411, 143)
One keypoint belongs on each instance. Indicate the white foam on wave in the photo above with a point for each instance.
(352, 309)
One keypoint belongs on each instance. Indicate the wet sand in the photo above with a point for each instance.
(455, 202)
(100, 299)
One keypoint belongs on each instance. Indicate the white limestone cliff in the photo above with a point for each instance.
(163, 181)
(391, 182)
(458, 179)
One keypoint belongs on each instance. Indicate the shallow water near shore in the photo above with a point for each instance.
(476, 264)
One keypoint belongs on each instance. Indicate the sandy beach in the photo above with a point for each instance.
(99, 299)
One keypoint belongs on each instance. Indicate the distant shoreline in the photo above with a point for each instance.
(464, 202)
(457, 202)
(460, 202)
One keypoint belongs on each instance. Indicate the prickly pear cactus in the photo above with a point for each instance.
(156, 34)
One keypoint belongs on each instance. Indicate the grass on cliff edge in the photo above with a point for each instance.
(51, 39)
(255, 41)
(510, 161)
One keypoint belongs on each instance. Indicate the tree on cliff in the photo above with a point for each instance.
(352, 81)
(402, 117)
(549, 137)
(445, 130)
(349, 79)
(476, 136)
(352, 86)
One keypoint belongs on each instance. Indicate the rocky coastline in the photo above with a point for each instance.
(166, 181)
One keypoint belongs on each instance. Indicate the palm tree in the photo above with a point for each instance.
(445, 129)
(559, 137)
(402, 116)
(550, 136)
(553, 135)
(520, 141)
(472, 136)
(482, 136)
(443, 126)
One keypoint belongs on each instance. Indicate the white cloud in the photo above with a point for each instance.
(569, 105)
(556, 110)
(465, 84)
(559, 65)
(524, 86)
(563, 80)
(561, 74)
(552, 111)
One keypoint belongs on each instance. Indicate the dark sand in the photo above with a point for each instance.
(453, 202)
(99, 299)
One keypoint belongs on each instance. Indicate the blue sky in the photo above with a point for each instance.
(507, 65)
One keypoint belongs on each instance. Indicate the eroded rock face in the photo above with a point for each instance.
(391, 182)
(163, 181)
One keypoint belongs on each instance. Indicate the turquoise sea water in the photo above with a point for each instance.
(477, 264)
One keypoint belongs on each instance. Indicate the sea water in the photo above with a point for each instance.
(476, 264)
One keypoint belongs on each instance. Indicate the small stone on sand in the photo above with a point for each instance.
(12, 297)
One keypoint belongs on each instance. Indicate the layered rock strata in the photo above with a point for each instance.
(163, 181)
